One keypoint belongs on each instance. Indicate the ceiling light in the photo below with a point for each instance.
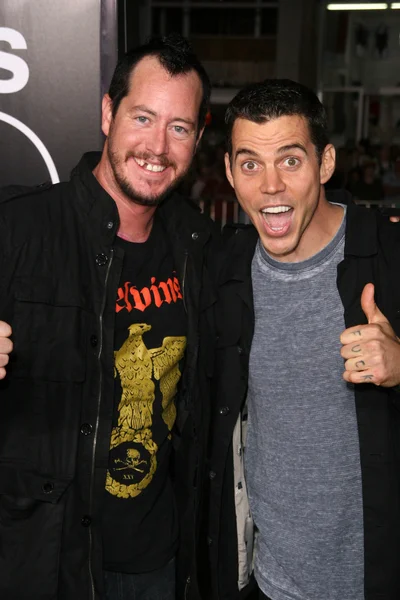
(361, 6)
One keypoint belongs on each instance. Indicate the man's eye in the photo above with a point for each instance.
(250, 165)
(142, 119)
(292, 162)
(179, 129)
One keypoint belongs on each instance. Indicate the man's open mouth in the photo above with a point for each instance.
(277, 218)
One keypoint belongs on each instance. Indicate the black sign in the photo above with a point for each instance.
(52, 61)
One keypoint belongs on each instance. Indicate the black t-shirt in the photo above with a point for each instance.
(140, 527)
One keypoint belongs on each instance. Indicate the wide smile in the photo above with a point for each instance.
(149, 167)
(277, 219)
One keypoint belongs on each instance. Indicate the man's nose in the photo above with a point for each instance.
(157, 142)
(272, 182)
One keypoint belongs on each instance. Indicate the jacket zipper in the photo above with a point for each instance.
(103, 305)
(184, 280)
(184, 270)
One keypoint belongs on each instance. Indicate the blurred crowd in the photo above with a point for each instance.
(206, 183)
(370, 173)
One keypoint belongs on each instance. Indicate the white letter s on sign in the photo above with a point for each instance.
(16, 65)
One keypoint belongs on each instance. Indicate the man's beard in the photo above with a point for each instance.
(129, 191)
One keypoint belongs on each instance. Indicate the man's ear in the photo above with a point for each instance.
(228, 170)
(106, 114)
(328, 163)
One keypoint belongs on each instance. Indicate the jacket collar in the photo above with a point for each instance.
(238, 253)
(92, 198)
(361, 232)
(184, 222)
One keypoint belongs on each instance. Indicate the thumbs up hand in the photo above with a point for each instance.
(371, 352)
(5, 347)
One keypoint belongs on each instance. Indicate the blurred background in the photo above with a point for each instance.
(57, 57)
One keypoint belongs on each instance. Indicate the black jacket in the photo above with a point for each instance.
(59, 279)
(372, 252)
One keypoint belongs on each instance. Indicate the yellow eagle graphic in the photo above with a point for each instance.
(136, 366)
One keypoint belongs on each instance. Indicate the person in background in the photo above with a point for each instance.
(385, 162)
(391, 181)
(369, 187)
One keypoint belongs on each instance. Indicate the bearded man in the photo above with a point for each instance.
(106, 288)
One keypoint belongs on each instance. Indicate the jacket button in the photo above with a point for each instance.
(93, 340)
(86, 429)
(110, 224)
(240, 349)
(224, 410)
(48, 487)
(212, 474)
(86, 521)
(195, 236)
(101, 260)
(209, 541)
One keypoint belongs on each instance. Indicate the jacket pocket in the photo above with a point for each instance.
(31, 522)
(48, 334)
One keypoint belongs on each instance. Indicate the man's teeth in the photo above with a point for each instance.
(150, 167)
(276, 209)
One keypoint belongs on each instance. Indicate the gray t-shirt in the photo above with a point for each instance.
(302, 457)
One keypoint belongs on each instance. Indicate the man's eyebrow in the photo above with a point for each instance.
(282, 150)
(143, 108)
(290, 147)
(247, 152)
(182, 120)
